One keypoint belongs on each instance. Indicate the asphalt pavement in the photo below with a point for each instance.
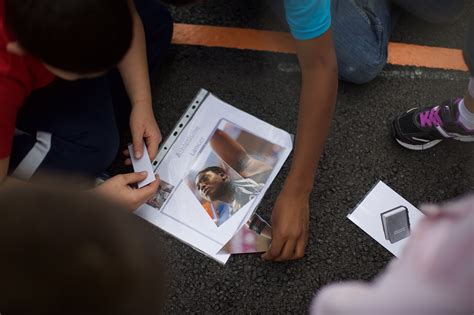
(358, 152)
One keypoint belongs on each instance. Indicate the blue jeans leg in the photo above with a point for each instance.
(361, 31)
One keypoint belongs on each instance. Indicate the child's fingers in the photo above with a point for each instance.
(128, 162)
(138, 146)
(133, 178)
(146, 193)
(275, 249)
(152, 146)
(126, 153)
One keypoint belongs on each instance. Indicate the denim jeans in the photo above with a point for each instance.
(362, 29)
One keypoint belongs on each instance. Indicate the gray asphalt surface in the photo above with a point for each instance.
(260, 14)
(359, 152)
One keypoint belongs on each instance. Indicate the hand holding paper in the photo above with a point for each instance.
(144, 130)
(118, 188)
(142, 164)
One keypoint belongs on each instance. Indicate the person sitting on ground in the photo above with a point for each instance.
(362, 30)
(60, 89)
(64, 252)
(310, 25)
(434, 274)
(423, 128)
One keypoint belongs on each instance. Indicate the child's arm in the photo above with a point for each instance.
(290, 218)
(134, 71)
(118, 189)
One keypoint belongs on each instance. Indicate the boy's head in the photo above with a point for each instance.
(68, 253)
(74, 38)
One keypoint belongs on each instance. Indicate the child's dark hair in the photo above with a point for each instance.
(69, 253)
(80, 36)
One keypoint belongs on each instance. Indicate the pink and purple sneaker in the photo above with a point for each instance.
(423, 128)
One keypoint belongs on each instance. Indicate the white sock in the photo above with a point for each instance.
(466, 118)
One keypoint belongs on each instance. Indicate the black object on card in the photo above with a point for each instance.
(396, 224)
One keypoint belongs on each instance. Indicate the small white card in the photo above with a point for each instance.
(141, 165)
(387, 217)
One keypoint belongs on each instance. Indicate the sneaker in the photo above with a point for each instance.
(421, 129)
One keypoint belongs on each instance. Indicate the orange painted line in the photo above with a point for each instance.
(230, 37)
(425, 56)
(280, 42)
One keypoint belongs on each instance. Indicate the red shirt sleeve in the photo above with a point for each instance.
(12, 96)
(19, 75)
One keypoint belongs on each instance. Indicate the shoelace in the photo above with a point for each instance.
(431, 118)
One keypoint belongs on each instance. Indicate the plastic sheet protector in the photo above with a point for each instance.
(215, 168)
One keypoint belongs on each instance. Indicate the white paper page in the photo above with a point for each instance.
(189, 236)
(367, 215)
(142, 164)
(182, 215)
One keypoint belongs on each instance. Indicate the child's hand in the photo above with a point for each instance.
(290, 226)
(143, 126)
(118, 188)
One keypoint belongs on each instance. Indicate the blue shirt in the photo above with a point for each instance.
(308, 18)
